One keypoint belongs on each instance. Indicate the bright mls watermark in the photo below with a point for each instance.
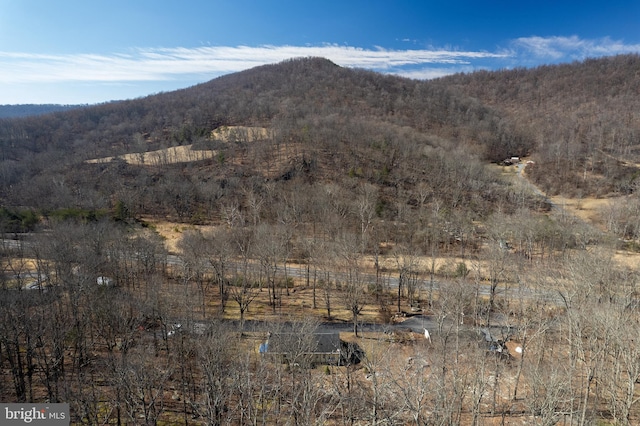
(37, 414)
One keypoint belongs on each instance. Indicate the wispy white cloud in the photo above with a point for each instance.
(431, 72)
(80, 78)
(568, 48)
(170, 63)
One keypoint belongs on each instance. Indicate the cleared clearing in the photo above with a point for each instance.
(240, 134)
(186, 153)
(161, 157)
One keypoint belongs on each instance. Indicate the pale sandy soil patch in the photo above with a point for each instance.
(186, 153)
(172, 232)
(627, 259)
(171, 155)
(591, 210)
(19, 272)
(588, 209)
(240, 134)
(273, 162)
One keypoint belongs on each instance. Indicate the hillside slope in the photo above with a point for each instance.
(302, 192)
(416, 143)
(584, 117)
(327, 124)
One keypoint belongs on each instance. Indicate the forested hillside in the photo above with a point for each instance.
(583, 117)
(326, 123)
(152, 250)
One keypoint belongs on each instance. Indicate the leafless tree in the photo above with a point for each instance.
(550, 392)
(271, 247)
(406, 261)
(215, 358)
(219, 253)
(243, 288)
(353, 284)
(193, 246)
(144, 383)
(432, 224)
(451, 381)
(498, 263)
(365, 209)
(414, 381)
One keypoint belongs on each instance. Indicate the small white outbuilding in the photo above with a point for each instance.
(104, 281)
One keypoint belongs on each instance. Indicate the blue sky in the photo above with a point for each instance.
(83, 51)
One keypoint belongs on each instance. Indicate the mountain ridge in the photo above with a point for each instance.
(330, 122)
